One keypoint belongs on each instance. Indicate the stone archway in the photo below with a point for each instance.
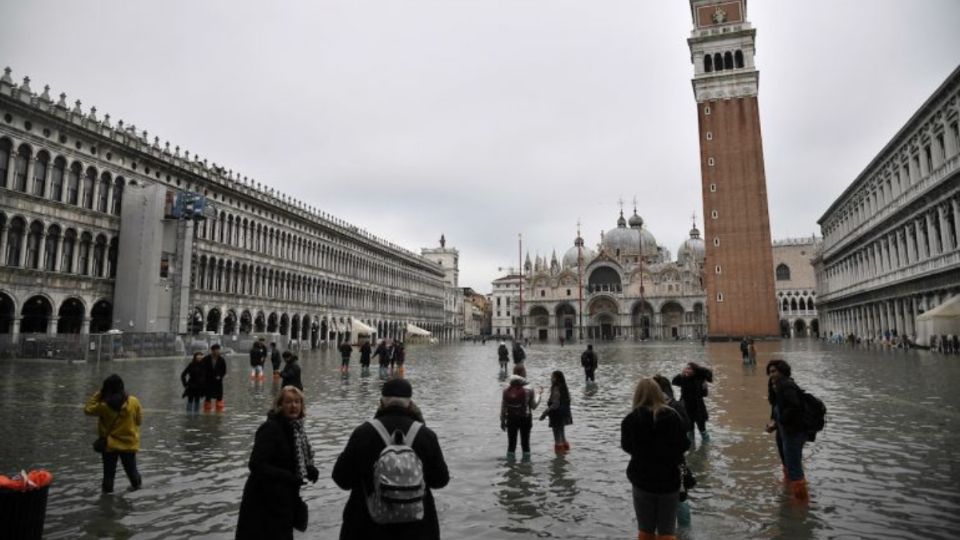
(246, 322)
(540, 322)
(101, 317)
(260, 323)
(641, 319)
(566, 317)
(815, 328)
(671, 316)
(7, 314)
(784, 328)
(70, 316)
(800, 328)
(196, 321)
(295, 327)
(213, 320)
(272, 323)
(35, 315)
(603, 319)
(284, 325)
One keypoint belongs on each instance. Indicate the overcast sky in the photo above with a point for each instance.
(482, 119)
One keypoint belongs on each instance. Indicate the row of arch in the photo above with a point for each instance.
(603, 320)
(724, 61)
(246, 233)
(56, 248)
(36, 315)
(40, 174)
(799, 328)
(795, 304)
(235, 277)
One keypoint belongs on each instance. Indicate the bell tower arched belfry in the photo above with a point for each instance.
(739, 257)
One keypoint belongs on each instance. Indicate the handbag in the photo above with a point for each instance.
(687, 481)
(300, 515)
(100, 444)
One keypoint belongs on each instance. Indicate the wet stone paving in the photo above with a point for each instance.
(886, 465)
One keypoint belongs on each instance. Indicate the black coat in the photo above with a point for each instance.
(518, 354)
(784, 395)
(272, 491)
(383, 354)
(345, 350)
(656, 449)
(291, 374)
(354, 471)
(365, 354)
(213, 374)
(691, 393)
(193, 380)
(275, 359)
(258, 355)
(502, 353)
(588, 360)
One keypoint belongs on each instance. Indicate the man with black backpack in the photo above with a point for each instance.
(795, 417)
(398, 504)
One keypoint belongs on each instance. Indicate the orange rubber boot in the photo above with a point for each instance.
(798, 488)
(646, 536)
(566, 446)
(220, 406)
(666, 537)
(207, 405)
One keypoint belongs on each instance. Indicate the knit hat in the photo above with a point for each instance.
(397, 388)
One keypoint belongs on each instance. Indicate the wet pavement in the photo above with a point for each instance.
(886, 465)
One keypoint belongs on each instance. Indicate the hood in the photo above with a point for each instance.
(115, 401)
(516, 379)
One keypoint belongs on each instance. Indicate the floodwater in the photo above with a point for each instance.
(886, 466)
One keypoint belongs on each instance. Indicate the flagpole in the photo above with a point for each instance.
(580, 276)
(519, 331)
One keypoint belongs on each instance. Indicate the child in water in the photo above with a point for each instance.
(558, 410)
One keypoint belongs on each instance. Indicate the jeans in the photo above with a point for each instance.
(558, 435)
(523, 426)
(656, 512)
(790, 447)
(257, 371)
(193, 403)
(129, 461)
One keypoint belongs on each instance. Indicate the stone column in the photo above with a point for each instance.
(15, 327)
(41, 250)
(11, 168)
(52, 323)
(85, 326)
(3, 245)
(946, 239)
(932, 234)
(28, 183)
(23, 246)
(913, 242)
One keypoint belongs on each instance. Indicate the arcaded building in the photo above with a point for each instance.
(796, 286)
(890, 247)
(103, 226)
(739, 286)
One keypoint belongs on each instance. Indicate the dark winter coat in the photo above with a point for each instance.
(656, 449)
(193, 380)
(275, 359)
(213, 374)
(692, 392)
(784, 397)
(383, 354)
(258, 355)
(290, 375)
(503, 354)
(354, 471)
(272, 491)
(518, 354)
(558, 408)
(365, 354)
(345, 350)
(588, 359)
(399, 354)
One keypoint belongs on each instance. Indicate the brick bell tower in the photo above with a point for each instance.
(739, 259)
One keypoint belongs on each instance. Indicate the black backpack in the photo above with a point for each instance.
(515, 398)
(814, 414)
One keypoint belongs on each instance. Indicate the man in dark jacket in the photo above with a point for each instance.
(365, 351)
(503, 356)
(291, 371)
(275, 360)
(383, 355)
(518, 355)
(258, 357)
(354, 469)
(345, 351)
(589, 362)
(214, 370)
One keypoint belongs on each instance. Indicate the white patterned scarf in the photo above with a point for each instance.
(302, 448)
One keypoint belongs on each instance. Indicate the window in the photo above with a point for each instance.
(714, 214)
(713, 188)
(40, 173)
(15, 233)
(66, 260)
(783, 272)
(5, 147)
(738, 59)
(709, 135)
(711, 162)
(89, 181)
(56, 178)
(717, 269)
(706, 111)
(73, 184)
(707, 63)
(716, 241)
(719, 297)
(568, 292)
(542, 293)
(20, 168)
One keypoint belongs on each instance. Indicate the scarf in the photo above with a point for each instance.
(301, 446)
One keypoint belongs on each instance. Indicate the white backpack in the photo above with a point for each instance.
(398, 485)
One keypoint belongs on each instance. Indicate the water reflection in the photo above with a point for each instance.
(884, 467)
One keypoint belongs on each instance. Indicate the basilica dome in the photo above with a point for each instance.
(572, 254)
(692, 247)
(626, 241)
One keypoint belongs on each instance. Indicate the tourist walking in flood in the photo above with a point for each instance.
(280, 463)
(258, 358)
(365, 350)
(744, 349)
(653, 434)
(752, 352)
(214, 370)
(275, 360)
(371, 511)
(503, 356)
(559, 412)
(518, 353)
(399, 357)
(786, 421)
(516, 415)
(291, 371)
(119, 416)
(383, 357)
(589, 362)
(194, 383)
(693, 388)
(345, 351)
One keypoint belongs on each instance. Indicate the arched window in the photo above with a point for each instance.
(69, 245)
(83, 259)
(718, 62)
(50, 248)
(112, 257)
(783, 272)
(104, 194)
(20, 168)
(40, 172)
(727, 60)
(99, 255)
(73, 183)
(56, 178)
(786, 305)
(738, 58)
(793, 304)
(118, 194)
(89, 180)
(803, 305)
(5, 147)
(707, 63)
(810, 304)
(33, 245)
(18, 227)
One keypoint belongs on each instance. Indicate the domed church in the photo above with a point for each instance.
(631, 288)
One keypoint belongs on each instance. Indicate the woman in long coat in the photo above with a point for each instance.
(693, 388)
(281, 462)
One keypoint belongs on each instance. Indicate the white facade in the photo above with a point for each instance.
(505, 304)
(890, 248)
(449, 261)
(796, 286)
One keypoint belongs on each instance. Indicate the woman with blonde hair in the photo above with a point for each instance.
(281, 462)
(653, 434)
